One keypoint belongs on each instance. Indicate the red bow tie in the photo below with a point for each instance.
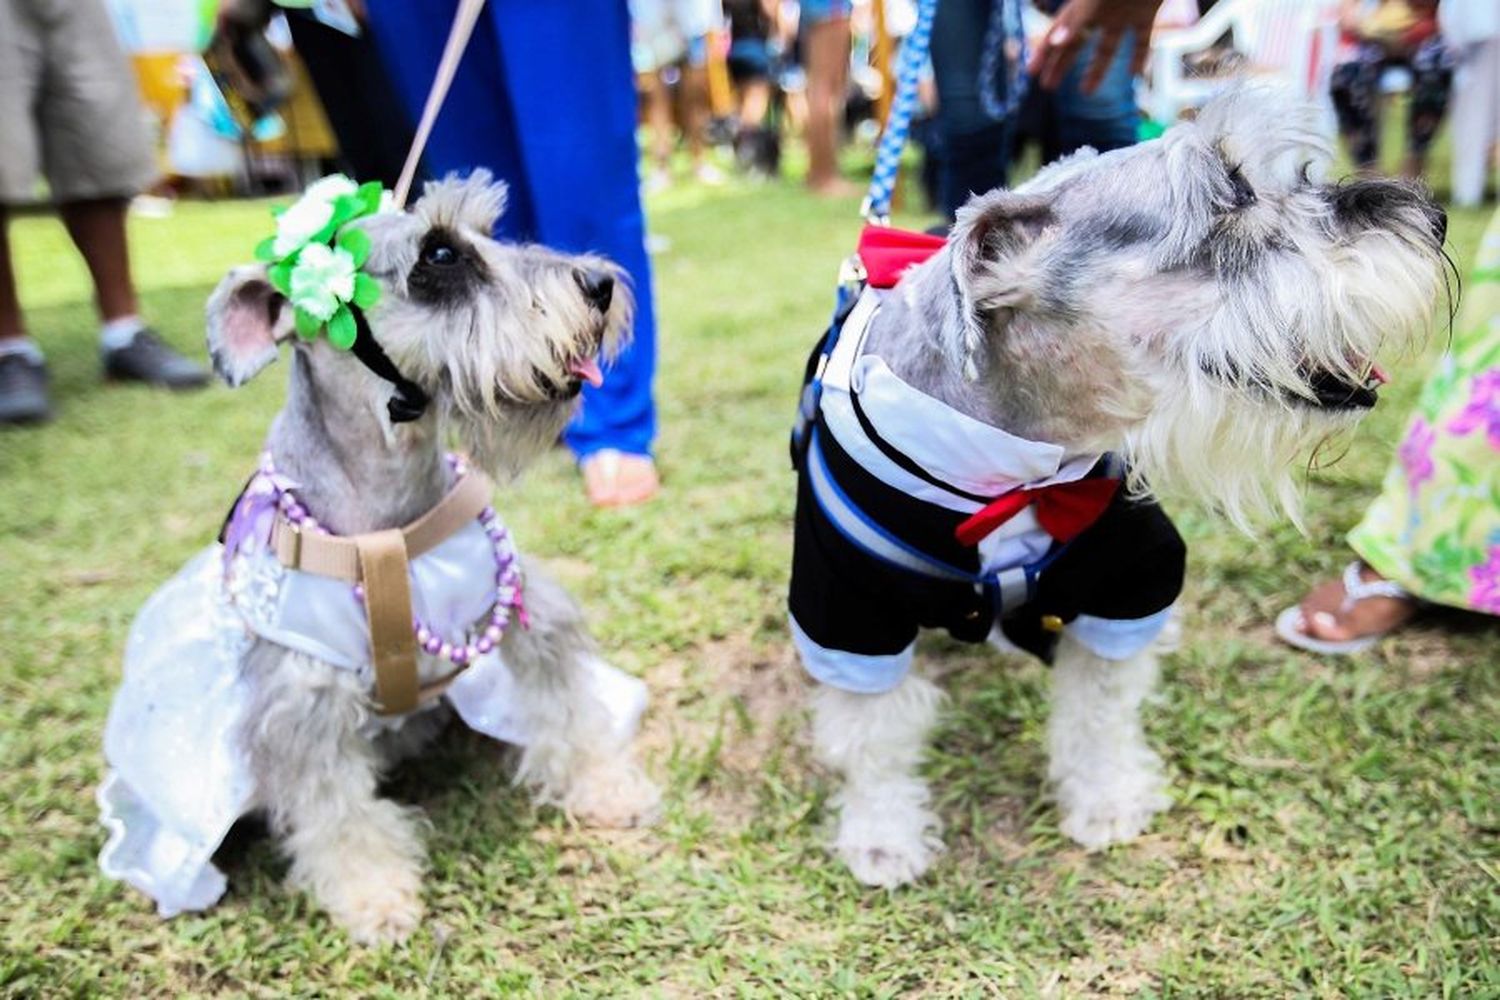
(1063, 511)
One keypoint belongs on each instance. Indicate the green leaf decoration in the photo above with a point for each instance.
(356, 242)
(280, 275)
(366, 290)
(342, 329)
(265, 249)
(308, 325)
(369, 197)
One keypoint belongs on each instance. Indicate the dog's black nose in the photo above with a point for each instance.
(598, 287)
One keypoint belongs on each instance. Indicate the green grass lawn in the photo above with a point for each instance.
(1335, 825)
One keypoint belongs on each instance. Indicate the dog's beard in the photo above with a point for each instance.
(1235, 453)
(504, 443)
(1234, 423)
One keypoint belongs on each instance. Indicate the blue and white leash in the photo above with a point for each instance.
(1004, 28)
(909, 65)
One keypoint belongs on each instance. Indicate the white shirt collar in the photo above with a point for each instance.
(953, 446)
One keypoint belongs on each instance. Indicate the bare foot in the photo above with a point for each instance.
(833, 187)
(615, 479)
(1325, 615)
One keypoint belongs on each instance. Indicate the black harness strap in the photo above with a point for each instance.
(902, 459)
(410, 400)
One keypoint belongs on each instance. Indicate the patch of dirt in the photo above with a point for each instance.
(742, 701)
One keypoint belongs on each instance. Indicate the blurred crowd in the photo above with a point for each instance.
(138, 101)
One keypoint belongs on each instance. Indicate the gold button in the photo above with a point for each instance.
(1052, 623)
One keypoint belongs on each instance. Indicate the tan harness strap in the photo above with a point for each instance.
(393, 649)
(338, 556)
(380, 561)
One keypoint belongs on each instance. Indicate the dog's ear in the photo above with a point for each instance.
(247, 318)
(991, 265)
(475, 201)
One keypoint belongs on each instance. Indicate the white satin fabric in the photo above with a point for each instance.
(178, 776)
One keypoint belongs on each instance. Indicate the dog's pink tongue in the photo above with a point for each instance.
(588, 370)
(1379, 374)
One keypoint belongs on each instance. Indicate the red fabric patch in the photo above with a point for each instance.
(886, 253)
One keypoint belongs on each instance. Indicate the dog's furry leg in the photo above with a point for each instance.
(1107, 781)
(360, 856)
(579, 756)
(887, 835)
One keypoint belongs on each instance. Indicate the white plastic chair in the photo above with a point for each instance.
(1293, 40)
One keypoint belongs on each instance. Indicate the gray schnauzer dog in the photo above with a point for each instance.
(248, 685)
(1190, 314)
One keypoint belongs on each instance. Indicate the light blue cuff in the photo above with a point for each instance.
(1118, 638)
(860, 673)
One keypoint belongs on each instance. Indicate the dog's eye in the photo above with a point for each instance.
(439, 255)
(1244, 194)
(1304, 173)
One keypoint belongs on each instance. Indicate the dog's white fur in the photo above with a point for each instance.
(1166, 302)
(491, 338)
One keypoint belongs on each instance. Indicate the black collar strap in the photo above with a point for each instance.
(410, 400)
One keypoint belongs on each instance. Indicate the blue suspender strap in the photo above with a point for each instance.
(1011, 587)
(864, 533)
(812, 390)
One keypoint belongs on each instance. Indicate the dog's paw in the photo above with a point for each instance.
(616, 795)
(381, 908)
(887, 846)
(1096, 821)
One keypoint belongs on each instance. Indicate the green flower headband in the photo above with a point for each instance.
(316, 264)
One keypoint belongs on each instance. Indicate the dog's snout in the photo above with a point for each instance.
(598, 287)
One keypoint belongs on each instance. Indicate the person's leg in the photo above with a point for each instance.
(1432, 81)
(97, 227)
(1355, 88)
(357, 94)
(12, 327)
(658, 98)
(563, 103)
(23, 374)
(1475, 86)
(826, 41)
(696, 110)
(1106, 119)
(975, 147)
(477, 127)
(97, 156)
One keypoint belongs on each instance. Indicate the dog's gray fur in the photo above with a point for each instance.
(1167, 302)
(490, 338)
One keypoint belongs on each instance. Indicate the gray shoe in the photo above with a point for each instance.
(148, 359)
(23, 390)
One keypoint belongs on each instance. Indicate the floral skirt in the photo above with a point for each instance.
(1435, 528)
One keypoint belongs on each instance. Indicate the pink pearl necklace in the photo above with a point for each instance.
(508, 598)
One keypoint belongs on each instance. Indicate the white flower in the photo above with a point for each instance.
(310, 213)
(323, 278)
(300, 223)
(330, 188)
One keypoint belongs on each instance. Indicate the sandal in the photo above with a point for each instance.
(1291, 624)
(614, 478)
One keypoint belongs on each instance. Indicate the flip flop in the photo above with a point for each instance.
(1291, 622)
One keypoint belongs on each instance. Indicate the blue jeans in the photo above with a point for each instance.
(972, 149)
(550, 110)
(1064, 120)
